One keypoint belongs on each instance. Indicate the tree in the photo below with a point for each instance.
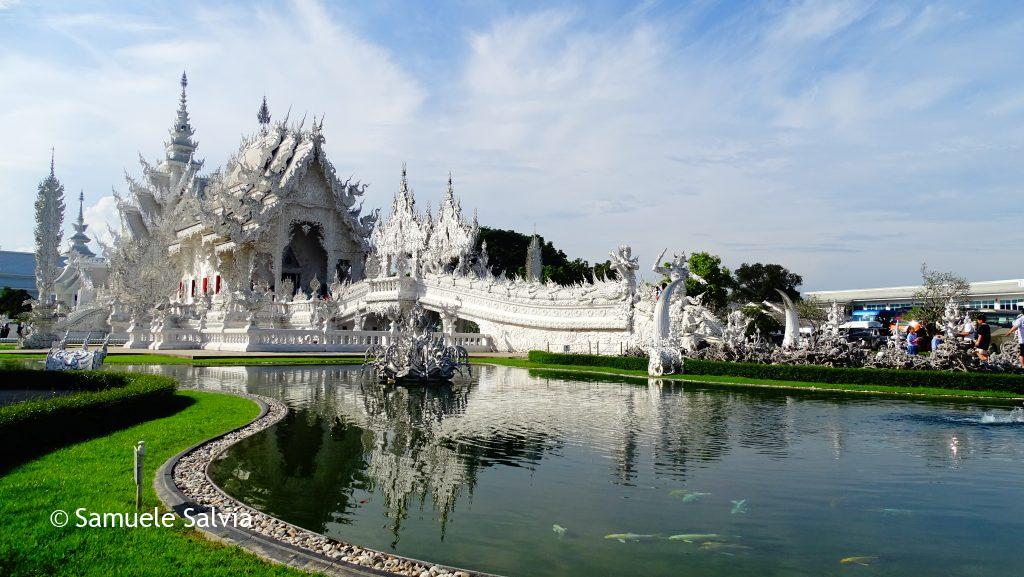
(13, 302)
(506, 251)
(719, 280)
(812, 310)
(757, 282)
(604, 270)
(937, 290)
(760, 320)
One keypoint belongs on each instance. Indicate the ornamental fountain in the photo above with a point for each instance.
(416, 355)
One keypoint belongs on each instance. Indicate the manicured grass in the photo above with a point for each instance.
(96, 402)
(7, 346)
(730, 381)
(157, 359)
(97, 475)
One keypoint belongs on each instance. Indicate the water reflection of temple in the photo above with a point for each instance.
(411, 446)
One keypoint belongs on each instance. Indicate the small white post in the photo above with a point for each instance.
(140, 454)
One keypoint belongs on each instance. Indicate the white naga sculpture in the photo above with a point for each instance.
(664, 354)
(59, 358)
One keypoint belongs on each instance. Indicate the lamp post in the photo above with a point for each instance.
(140, 454)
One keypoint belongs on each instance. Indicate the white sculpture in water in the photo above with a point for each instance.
(60, 359)
(416, 354)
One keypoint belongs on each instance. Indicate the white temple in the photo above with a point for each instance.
(272, 252)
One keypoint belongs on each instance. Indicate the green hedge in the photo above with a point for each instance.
(14, 377)
(106, 401)
(629, 363)
(806, 373)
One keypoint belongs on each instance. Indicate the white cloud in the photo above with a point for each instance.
(102, 218)
(821, 136)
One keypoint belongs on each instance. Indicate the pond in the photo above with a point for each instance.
(520, 473)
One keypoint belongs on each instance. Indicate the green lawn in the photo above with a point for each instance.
(158, 359)
(7, 346)
(96, 474)
(730, 381)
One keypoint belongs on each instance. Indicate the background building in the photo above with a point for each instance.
(18, 270)
(995, 294)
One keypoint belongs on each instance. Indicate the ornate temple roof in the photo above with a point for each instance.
(233, 202)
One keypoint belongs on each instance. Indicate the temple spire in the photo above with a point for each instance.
(80, 241)
(181, 147)
(263, 114)
(52, 153)
(48, 234)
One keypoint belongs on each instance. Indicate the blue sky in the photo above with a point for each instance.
(847, 141)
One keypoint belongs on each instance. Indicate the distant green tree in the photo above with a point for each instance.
(757, 282)
(506, 251)
(917, 313)
(719, 280)
(937, 290)
(759, 319)
(12, 301)
(604, 270)
(812, 309)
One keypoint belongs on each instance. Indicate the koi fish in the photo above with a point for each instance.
(739, 507)
(718, 545)
(861, 560)
(559, 530)
(623, 537)
(695, 537)
(687, 495)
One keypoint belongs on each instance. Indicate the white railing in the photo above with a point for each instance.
(306, 340)
(592, 347)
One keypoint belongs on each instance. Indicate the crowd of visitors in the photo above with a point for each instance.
(922, 338)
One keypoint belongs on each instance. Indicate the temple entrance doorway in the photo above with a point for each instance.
(305, 257)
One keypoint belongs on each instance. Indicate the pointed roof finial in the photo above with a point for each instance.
(81, 204)
(263, 114)
(184, 82)
(52, 153)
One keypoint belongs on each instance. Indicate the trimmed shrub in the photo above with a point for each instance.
(106, 401)
(629, 363)
(806, 373)
(17, 378)
(860, 376)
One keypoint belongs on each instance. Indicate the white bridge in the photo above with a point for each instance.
(494, 313)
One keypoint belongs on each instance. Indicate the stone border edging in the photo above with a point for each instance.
(183, 483)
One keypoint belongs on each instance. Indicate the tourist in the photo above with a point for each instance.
(912, 341)
(1017, 322)
(983, 338)
(5, 330)
(922, 338)
(936, 341)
